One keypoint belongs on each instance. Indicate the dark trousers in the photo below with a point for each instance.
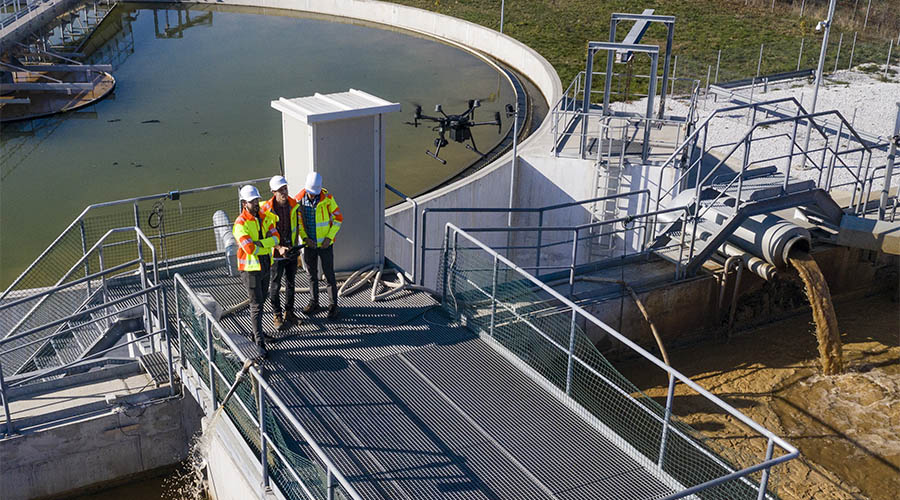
(288, 268)
(257, 284)
(311, 256)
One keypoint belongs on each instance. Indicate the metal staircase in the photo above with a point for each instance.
(721, 192)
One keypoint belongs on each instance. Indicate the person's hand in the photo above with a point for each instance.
(281, 250)
(309, 243)
(326, 242)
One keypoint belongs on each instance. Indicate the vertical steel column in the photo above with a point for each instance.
(654, 57)
(889, 169)
(800, 57)
(852, 49)
(764, 482)
(263, 451)
(572, 267)
(670, 396)
(493, 298)
(670, 36)
(84, 249)
(610, 54)
(209, 354)
(5, 394)
(502, 10)
(790, 158)
(570, 368)
(819, 70)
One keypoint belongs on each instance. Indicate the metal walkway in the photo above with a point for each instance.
(391, 393)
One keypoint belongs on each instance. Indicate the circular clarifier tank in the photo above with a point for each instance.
(191, 108)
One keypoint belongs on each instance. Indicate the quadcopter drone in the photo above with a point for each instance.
(458, 126)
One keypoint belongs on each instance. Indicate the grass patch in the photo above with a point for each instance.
(560, 29)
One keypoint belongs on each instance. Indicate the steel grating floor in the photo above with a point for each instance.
(408, 407)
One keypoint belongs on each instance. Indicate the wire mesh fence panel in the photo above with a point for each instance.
(500, 302)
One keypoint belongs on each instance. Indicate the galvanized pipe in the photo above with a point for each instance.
(263, 452)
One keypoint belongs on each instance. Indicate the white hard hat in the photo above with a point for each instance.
(277, 182)
(313, 183)
(249, 193)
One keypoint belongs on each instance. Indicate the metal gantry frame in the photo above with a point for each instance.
(611, 48)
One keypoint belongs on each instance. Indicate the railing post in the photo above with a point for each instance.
(572, 267)
(263, 452)
(748, 141)
(787, 171)
(104, 292)
(570, 368)
(164, 321)
(329, 486)
(537, 262)
(764, 482)
(670, 396)
(209, 356)
(181, 348)
(148, 325)
(889, 169)
(5, 394)
(494, 297)
(84, 249)
(424, 238)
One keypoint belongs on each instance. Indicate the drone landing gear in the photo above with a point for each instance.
(438, 144)
(474, 148)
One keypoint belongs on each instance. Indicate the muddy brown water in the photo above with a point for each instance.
(822, 310)
(845, 426)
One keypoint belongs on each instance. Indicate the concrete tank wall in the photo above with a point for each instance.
(687, 311)
(96, 450)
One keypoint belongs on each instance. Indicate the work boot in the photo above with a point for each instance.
(279, 321)
(332, 311)
(311, 308)
(290, 317)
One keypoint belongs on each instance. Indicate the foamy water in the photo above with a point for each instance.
(189, 483)
(865, 406)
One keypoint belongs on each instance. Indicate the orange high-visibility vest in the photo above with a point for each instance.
(246, 232)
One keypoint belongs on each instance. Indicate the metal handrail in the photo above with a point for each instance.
(539, 210)
(181, 284)
(791, 451)
(60, 285)
(415, 237)
(125, 201)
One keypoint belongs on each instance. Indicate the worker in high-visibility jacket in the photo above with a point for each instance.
(257, 239)
(285, 208)
(320, 222)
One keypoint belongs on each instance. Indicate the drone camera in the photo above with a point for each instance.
(510, 110)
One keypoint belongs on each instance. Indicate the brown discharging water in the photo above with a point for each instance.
(845, 426)
(822, 309)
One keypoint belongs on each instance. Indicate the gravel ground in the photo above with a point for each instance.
(863, 99)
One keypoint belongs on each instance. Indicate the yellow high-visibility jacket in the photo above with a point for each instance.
(328, 217)
(269, 206)
(246, 232)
